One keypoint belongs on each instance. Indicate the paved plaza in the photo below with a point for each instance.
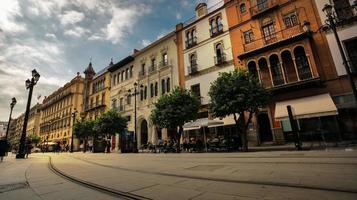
(328, 174)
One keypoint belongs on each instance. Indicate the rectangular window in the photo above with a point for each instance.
(248, 36)
(351, 50)
(269, 32)
(121, 106)
(290, 20)
(131, 71)
(343, 9)
(195, 89)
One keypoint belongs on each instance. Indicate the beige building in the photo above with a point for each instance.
(154, 69)
(56, 119)
(98, 100)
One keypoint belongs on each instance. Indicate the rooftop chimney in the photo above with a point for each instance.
(201, 10)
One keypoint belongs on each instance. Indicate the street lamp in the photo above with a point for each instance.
(12, 104)
(135, 93)
(29, 85)
(330, 22)
(74, 113)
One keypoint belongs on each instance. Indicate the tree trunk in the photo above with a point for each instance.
(178, 138)
(85, 145)
(243, 131)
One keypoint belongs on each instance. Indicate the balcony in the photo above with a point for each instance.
(216, 30)
(263, 7)
(163, 64)
(192, 69)
(219, 60)
(142, 73)
(190, 42)
(280, 38)
(152, 69)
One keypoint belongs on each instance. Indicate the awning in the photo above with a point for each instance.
(203, 122)
(307, 107)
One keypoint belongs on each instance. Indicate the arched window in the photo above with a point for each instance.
(219, 24)
(242, 8)
(163, 85)
(151, 90)
(219, 51)
(118, 80)
(302, 63)
(193, 59)
(213, 26)
(252, 68)
(114, 79)
(145, 92)
(276, 72)
(141, 95)
(168, 85)
(156, 88)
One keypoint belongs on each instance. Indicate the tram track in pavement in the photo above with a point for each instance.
(93, 186)
(250, 182)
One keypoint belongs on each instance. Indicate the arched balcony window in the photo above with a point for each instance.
(264, 72)
(288, 65)
(302, 63)
(276, 72)
(252, 68)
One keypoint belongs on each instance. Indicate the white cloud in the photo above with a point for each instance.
(9, 10)
(123, 21)
(145, 42)
(51, 36)
(71, 17)
(178, 16)
(76, 32)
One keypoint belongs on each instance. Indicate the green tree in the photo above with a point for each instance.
(110, 123)
(83, 130)
(173, 110)
(239, 94)
(34, 139)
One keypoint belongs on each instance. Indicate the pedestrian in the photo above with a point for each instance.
(108, 146)
(4, 148)
(28, 148)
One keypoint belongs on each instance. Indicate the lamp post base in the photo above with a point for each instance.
(20, 156)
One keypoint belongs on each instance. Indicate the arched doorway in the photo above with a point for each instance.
(276, 72)
(264, 72)
(265, 133)
(252, 68)
(144, 132)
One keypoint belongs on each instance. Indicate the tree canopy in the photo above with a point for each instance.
(175, 109)
(110, 123)
(237, 93)
(84, 129)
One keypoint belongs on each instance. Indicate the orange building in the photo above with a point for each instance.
(279, 41)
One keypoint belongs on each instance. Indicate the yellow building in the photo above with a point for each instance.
(33, 124)
(97, 92)
(56, 119)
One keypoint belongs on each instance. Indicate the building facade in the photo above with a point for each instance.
(3, 128)
(153, 72)
(345, 12)
(206, 48)
(280, 42)
(33, 123)
(56, 119)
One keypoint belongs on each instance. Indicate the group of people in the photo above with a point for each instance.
(194, 144)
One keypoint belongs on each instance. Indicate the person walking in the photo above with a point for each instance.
(4, 148)
(28, 148)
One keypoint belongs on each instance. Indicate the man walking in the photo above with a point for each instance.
(4, 148)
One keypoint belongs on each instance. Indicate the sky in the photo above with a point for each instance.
(58, 38)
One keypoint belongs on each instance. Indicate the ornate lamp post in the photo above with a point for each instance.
(135, 93)
(12, 104)
(74, 113)
(330, 22)
(29, 85)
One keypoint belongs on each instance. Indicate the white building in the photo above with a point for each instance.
(207, 51)
(3, 128)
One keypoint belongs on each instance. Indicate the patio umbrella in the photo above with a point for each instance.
(202, 122)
